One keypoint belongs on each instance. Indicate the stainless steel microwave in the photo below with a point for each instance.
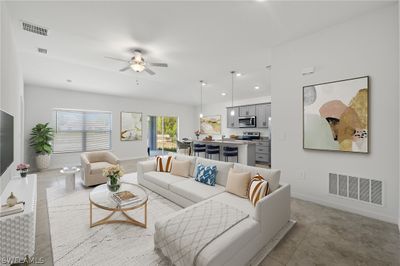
(247, 121)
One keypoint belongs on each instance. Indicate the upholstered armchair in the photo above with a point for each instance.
(93, 163)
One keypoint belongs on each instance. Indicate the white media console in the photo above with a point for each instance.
(17, 231)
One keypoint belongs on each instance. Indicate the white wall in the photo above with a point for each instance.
(40, 103)
(366, 45)
(11, 91)
(220, 109)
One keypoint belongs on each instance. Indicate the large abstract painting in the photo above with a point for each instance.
(210, 125)
(131, 126)
(335, 116)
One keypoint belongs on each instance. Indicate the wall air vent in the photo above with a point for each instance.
(357, 188)
(42, 50)
(34, 28)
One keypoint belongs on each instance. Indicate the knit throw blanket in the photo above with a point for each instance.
(183, 237)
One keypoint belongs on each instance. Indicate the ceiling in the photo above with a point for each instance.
(198, 39)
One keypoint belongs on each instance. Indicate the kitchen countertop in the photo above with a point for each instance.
(228, 141)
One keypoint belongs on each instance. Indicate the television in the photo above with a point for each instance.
(6, 141)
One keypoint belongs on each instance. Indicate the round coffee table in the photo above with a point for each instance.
(101, 197)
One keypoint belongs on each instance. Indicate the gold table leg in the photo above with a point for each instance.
(108, 220)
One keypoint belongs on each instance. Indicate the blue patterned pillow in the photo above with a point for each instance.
(206, 174)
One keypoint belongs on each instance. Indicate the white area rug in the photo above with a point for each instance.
(75, 243)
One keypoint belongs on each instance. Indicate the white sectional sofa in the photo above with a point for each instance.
(240, 244)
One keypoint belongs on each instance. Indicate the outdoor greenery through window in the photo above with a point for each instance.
(81, 130)
(163, 133)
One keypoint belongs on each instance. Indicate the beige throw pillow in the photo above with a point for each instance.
(238, 183)
(180, 168)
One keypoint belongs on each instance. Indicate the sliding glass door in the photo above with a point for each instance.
(163, 133)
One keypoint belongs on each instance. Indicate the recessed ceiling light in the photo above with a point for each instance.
(223, 93)
(256, 87)
(238, 74)
(69, 81)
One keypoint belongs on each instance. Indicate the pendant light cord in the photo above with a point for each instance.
(201, 96)
(233, 73)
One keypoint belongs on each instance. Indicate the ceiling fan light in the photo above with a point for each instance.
(137, 67)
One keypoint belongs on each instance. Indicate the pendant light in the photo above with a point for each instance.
(202, 83)
(232, 110)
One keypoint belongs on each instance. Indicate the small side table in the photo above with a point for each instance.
(70, 178)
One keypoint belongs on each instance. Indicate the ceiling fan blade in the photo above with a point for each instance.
(149, 71)
(125, 68)
(116, 59)
(159, 64)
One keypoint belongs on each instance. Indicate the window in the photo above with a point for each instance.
(80, 130)
(163, 133)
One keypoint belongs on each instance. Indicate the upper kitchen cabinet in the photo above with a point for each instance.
(232, 121)
(263, 113)
(248, 110)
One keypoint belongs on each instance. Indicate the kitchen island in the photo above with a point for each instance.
(246, 150)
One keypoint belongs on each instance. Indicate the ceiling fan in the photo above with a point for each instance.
(137, 63)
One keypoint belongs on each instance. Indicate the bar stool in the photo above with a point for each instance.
(198, 148)
(230, 152)
(211, 150)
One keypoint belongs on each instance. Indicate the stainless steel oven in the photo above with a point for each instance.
(247, 121)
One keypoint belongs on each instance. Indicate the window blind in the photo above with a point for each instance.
(80, 130)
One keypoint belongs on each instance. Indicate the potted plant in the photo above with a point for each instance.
(113, 173)
(23, 168)
(41, 137)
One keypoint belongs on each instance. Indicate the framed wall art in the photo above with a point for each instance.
(336, 116)
(131, 126)
(210, 125)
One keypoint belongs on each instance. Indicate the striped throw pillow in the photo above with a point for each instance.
(258, 188)
(164, 164)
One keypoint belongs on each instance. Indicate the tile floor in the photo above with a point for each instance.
(322, 236)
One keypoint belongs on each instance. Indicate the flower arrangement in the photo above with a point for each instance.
(23, 169)
(113, 173)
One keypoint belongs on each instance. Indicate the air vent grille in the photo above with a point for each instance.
(34, 28)
(357, 188)
(333, 183)
(353, 187)
(42, 50)
(376, 192)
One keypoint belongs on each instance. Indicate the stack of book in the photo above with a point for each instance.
(123, 198)
(5, 210)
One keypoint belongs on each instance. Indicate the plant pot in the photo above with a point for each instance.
(113, 184)
(23, 173)
(42, 161)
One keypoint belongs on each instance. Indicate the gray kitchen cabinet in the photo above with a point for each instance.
(263, 150)
(247, 110)
(263, 113)
(232, 121)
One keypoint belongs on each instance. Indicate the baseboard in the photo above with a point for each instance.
(263, 253)
(369, 214)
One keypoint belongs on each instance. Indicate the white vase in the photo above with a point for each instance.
(43, 161)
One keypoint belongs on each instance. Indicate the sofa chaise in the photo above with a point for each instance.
(241, 243)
